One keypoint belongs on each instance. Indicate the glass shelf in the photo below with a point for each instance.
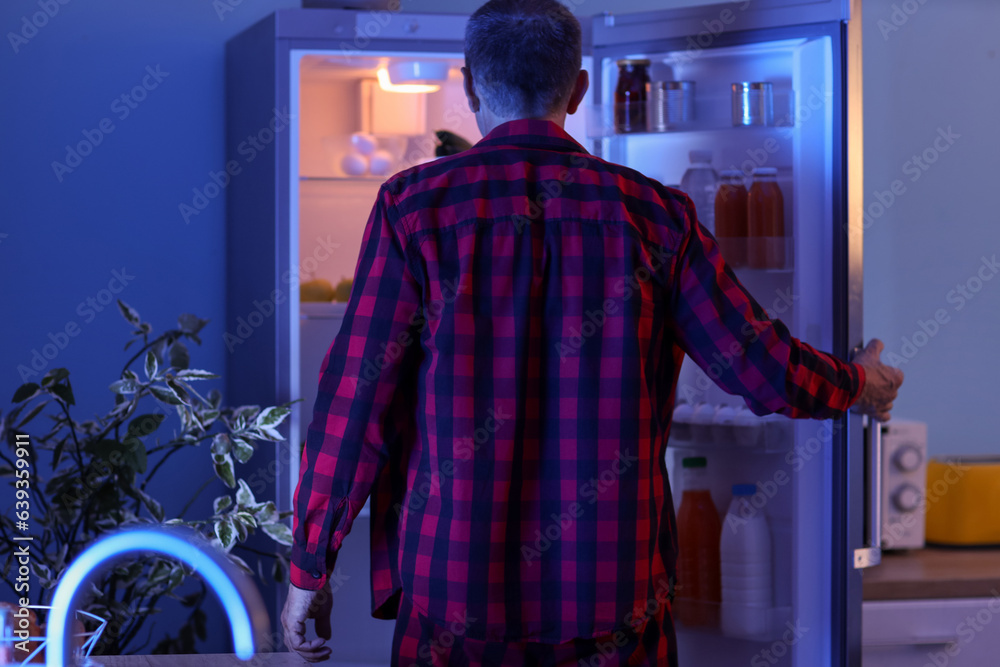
(688, 128)
(768, 435)
(712, 113)
(363, 179)
(749, 622)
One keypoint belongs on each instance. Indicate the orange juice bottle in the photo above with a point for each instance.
(766, 220)
(731, 217)
(699, 582)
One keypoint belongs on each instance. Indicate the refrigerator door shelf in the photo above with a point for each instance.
(748, 622)
(773, 434)
(711, 113)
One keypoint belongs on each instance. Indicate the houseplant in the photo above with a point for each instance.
(86, 478)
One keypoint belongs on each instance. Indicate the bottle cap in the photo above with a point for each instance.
(629, 62)
(694, 462)
(765, 171)
(744, 489)
(700, 156)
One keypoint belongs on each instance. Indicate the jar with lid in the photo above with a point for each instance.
(731, 217)
(766, 221)
(630, 95)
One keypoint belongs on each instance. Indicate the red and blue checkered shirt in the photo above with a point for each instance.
(503, 385)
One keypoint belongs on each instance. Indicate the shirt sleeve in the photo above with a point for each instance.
(348, 440)
(726, 332)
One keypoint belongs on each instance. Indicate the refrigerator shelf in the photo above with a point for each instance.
(769, 623)
(712, 113)
(772, 434)
(341, 179)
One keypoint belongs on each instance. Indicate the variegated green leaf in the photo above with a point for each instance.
(221, 444)
(221, 504)
(271, 417)
(244, 496)
(151, 366)
(224, 469)
(279, 532)
(166, 395)
(226, 533)
(195, 374)
(129, 313)
(242, 449)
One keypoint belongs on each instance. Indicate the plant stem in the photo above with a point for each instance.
(76, 440)
(195, 497)
(159, 448)
(147, 347)
(255, 551)
(176, 448)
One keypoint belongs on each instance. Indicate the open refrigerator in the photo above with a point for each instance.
(297, 212)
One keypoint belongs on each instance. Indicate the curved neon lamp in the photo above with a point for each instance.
(240, 598)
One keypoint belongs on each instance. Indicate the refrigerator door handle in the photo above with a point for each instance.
(871, 555)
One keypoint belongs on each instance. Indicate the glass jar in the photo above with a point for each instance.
(630, 95)
(731, 217)
(766, 221)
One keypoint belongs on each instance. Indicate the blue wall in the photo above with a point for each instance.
(63, 236)
(932, 70)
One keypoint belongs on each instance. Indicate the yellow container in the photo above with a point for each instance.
(963, 501)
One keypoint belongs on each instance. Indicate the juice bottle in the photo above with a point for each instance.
(699, 583)
(766, 221)
(731, 217)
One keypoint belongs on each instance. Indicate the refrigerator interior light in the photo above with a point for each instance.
(388, 86)
(413, 76)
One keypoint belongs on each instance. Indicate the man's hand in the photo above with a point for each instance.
(300, 605)
(881, 382)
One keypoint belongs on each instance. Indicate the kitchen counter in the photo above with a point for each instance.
(227, 660)
(933, 574)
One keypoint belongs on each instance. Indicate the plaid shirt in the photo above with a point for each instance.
(503, 384)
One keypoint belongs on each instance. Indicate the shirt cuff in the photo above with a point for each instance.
(307, 573)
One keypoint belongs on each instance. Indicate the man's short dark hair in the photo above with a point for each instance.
(524, 56)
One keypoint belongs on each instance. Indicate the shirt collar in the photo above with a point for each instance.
(532, 133)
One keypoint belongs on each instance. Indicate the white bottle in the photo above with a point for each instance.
(745, 557)
(700, 183)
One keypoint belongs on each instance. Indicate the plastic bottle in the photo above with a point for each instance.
(698, 527)
(745, 559)
(766, 221)
(700, 183)
(731, 217)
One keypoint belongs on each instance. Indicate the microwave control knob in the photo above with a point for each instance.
(906, 498)
(908, 458)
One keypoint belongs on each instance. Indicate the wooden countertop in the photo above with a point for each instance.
(934, 573)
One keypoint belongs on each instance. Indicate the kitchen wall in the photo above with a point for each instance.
(135, 87)
(932, 289)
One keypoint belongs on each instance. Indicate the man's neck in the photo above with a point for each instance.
(488, 122)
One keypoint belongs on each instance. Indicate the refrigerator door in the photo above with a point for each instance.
(809, 474)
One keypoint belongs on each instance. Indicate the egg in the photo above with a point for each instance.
(354, 164)
(748, 428)
(364, 143)
(681, 429)
(722, 426)
(381, 163)
(701, 422)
